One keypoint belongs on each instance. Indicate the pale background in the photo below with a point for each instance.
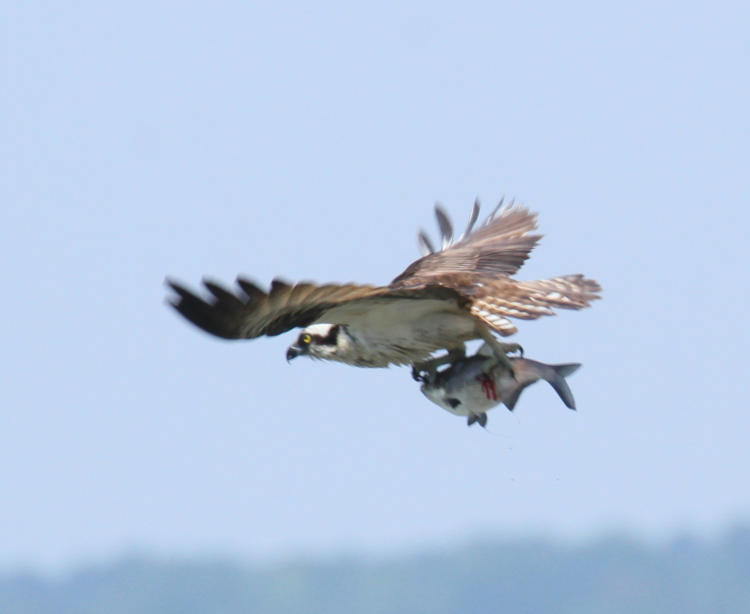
(152, 138)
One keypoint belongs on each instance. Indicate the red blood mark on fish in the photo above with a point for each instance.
(488, 386)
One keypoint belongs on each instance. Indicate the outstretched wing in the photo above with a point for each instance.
(470, 274)
(478, 266)
(250, 312)
(498, 247)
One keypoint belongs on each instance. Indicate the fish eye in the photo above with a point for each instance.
(305, 339)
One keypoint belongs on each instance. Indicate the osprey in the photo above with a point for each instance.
(451, 295)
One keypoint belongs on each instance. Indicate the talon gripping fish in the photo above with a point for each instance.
(472, 386)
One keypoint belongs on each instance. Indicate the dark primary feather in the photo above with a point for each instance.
(252, 312)
(472, 219)
(446, 228)
(425, 245)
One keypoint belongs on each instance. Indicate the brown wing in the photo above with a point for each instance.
(471, 273)
(498, 247)
(478, 265)
(250, 312)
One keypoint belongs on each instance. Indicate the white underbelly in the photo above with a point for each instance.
(402, 330)
(407, 341)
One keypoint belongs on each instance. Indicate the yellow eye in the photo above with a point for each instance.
(306, 338)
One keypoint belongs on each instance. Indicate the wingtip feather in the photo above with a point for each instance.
(425, 245)
(472, 219)
(446, 228)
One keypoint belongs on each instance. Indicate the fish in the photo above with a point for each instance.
(471, 386)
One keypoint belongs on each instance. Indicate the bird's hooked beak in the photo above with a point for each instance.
(293, 351)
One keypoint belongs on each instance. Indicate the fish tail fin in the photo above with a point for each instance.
(557, 381)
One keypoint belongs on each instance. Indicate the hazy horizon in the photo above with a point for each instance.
(612, 574)
(375, 554)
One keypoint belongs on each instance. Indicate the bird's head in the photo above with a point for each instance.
(324, 341)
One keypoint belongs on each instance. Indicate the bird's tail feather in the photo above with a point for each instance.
(565, 292)
(528, 300)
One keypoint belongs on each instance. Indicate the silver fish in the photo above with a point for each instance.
(472, 386)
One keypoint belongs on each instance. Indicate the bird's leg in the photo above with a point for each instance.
(429, 366)
(510, 348)
(500, 351)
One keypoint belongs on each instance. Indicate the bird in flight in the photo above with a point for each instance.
(461, 291)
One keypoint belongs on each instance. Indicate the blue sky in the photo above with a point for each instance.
(146, 139)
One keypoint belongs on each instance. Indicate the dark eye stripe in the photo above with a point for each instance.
(331, 337)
